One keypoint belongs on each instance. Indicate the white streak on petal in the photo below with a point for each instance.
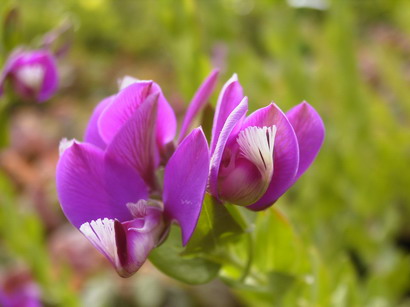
(256, 145)
(101, 233)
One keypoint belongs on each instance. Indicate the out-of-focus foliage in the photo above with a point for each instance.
(341, 235)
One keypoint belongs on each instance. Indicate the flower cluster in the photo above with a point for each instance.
(129, 180)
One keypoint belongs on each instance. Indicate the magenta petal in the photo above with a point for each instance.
(185, 181)
(91, 186)
(286, 153)
(127, 244)
(140, 240)
(134, 144)
(232, 121)
(310, 132)
(50, 81)
(166, 120)
(229, 98)
(200, 99)
(122, 108)
(92, 133)
(127, 102)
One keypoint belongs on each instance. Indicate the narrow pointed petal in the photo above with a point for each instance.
(92, 133)
(134, 144)
(91, 186)
(232, 121)
(122, 108)
(198, 102)
(286, 153)
(185, 181)
(230, 97)
(310, 132)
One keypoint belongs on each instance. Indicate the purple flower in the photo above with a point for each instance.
(256, 159)
(19, 291)
(107, 185)
(33, 74)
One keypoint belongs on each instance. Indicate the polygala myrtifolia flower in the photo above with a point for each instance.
(33, 74)
(256, 159)
(109, 187)
(17, 289)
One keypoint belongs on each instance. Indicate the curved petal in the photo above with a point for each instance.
(200, 99)
(286, 153)
(50, 81)
(229, 98)
(134, 144)
(310, 132)
(91, 186)
(122, 108)
(166, 121)
(126, 245)
(185, 181)
(232, 121)
(127, 102)
(247, 167)
(92, 134)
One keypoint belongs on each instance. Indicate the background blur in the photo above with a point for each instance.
(345, 240)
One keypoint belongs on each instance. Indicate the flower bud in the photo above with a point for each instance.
(247, 166)
(33, 74)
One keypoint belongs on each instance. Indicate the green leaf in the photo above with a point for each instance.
(192, 270)
(216, 226)
(280, 283)
(277, 246)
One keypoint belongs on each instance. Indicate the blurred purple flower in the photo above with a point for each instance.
(20, 292)
(256, 159)
(33, 74)
(105, 184)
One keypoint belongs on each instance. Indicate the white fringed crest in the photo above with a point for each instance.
(101, 234)
(256, 144)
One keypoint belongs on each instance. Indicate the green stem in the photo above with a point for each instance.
(227, 259)
(4, 122)
(248, 264)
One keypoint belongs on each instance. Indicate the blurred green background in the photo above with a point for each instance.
(342, 237)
